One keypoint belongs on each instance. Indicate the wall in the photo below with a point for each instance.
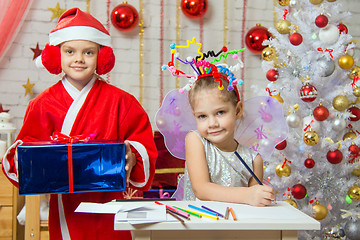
(17, 65)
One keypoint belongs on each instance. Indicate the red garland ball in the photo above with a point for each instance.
(296, 39)
(255, 37)
(321, 113)
(309, 163)
(272, 75)
(354, 149)
(281, 146)
(321, 21)
(308, 93)
(334, 157)
(342, 28)
(355, 114)
(124, 17)
(194, 8)
(298, 191)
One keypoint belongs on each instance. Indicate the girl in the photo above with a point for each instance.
(213, 172)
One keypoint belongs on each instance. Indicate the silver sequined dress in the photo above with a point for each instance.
(224, 167)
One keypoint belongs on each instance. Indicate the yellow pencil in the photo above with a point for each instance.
(201, 214)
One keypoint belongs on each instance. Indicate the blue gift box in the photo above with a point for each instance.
(96, 167)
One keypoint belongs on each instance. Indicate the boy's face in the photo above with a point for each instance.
(79, 61)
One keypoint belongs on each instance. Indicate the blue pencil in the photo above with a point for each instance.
(247, 167)
(209, 209)
(202, 210)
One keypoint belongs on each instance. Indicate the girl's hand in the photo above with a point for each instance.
(130, 161)
(260, 195)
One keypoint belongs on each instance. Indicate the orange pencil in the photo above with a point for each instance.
(227, 213)
(233, 214)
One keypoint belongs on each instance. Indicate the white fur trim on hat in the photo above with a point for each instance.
(79, 33)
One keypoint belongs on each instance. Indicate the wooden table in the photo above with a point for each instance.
(258, 227)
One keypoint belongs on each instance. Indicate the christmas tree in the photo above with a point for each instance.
(311, 68)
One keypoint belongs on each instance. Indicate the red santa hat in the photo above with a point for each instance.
(75, 24)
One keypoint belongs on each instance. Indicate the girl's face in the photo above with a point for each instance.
(216, 118)
(79, 61)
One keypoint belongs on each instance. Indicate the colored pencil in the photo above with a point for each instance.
(203, 214)
(174, 215)
(178, 214)
(233, 214)
(209, 209)
(185, 214)
(202, 210)
(190, 212)
(247, 167)
(227, 213)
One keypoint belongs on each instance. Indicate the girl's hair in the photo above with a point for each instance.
(208, 83)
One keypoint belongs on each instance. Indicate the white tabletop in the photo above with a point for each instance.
(279, 216)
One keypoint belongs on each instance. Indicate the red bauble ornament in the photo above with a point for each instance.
(295, 39)
(308, 93)
(255, 37)
(355, 114)
(342, 28)
(334, 157)
(124, 17)
(321, 21)
(354, 149)
(281, 146)
(298, 191)
(272, 75)
(194, 8)
(309, 163)
(320, 113)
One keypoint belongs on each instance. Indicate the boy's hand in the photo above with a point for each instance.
(130, 161)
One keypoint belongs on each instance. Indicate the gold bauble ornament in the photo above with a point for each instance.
(284, 2)
(283, 26)
(291, 202)
(349, 135)
(269, 54)
(346, 61)
(316, 2)
(311, 138)
(356, 92)
(356, 171)
(283, 171)
(354, 72)
(340, 103)
(354, 192)
(278, 97)
(320, 211)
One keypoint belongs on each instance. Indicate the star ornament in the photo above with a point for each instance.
(37, 51)
(57, 11)
(28, 87)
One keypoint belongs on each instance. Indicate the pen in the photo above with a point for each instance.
(190, 212)
(209, 209)
(202, 210)
(233, 214)
(185, 214)
(174, 215)
(227, 213)
(247, 167)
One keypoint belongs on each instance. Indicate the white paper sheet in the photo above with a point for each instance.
(87, 207)
(146, 214)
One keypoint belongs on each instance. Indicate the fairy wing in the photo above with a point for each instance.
(261, 128)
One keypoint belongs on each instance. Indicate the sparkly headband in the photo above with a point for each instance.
(203, 68)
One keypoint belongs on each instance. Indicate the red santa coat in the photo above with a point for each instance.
(106, 111)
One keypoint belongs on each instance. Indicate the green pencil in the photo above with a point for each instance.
(190, 212)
